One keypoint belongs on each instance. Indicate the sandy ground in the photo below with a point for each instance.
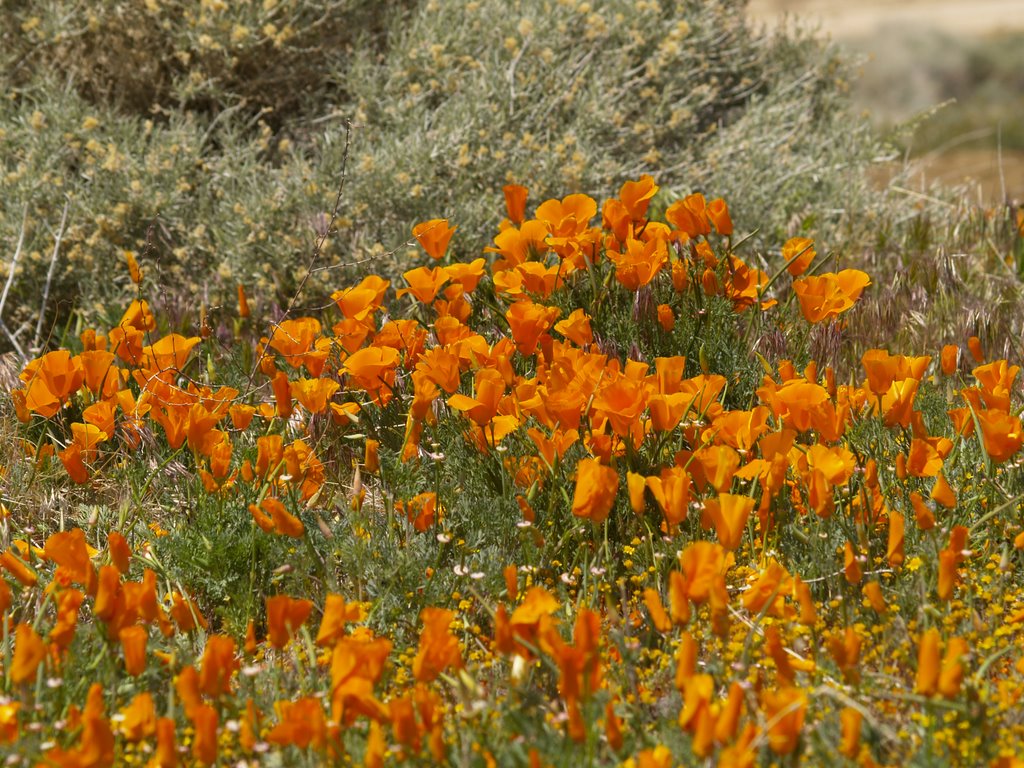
(886, 31)
(858, 18)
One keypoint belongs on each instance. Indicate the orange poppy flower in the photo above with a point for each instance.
(798, 254)
(636, 196)
(656, 610)
(204, 743)
(639, 262)
(704, 563)
(576, 328)
(729, 514)
(897, 403)
(851, 564)
(515, 202)
(337, 613)
(569, 216)
(169, 353)
(422, 510)
(516, 245)
(1002, 434)
(671, 489)
(285, 615)
(434, 236)
(373, 369)
(29, 652)
(718, 215)
(928, 663)
(951, 673)
(771, 585)
(689, 216)
(528, 321)
(923, 460)
(894, 547)
(785, 710)
(360, 301)
(950, 358)
(302, 725)
(438, 647)
(596, 488)
(133, 643)
(218, 665)
(489, 391)
(14, 565)
(313, 394)
(51, 380)
(72, 554)
(849, 728)
(621, 401)
(974, 345)
(826, 296)
(424, 283)
(139, 718)
(943, 493)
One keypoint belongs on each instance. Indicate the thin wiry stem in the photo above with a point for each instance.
(7, 287)
(49, 274)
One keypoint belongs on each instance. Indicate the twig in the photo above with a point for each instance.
(10, 281)
(317, 251)
(49, 274)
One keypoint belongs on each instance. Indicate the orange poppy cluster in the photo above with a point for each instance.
(654, 441)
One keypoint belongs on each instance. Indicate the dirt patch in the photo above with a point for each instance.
(985, 175)
(854, 20)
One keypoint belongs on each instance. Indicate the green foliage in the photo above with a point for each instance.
(214, 156)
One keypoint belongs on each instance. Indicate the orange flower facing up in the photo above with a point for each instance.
(373, 369)
(639, 262)
(568, 217)
(596, 488)
(424, 283)
(360, 301)
(51, 380)
(823, 297)
(576, 328)
(622, 400)
(439, 648)
(313, 394)
(483, 406)
(285, 615)
(689, 216)
(434, 236)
